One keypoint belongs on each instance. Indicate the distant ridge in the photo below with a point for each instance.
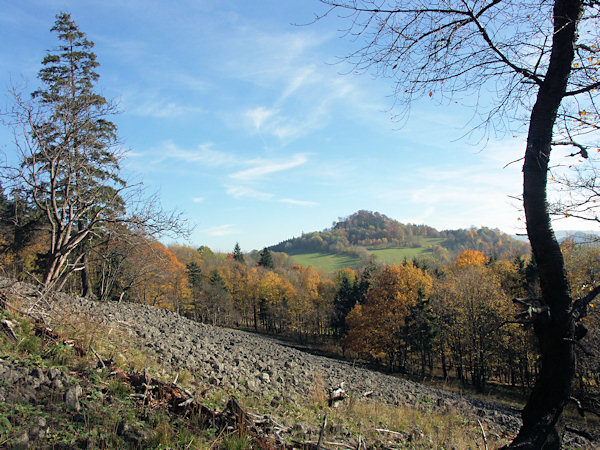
(366, 232)
(580, 237)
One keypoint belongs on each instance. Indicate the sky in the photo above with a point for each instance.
(242, 116)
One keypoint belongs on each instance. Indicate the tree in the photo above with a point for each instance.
(471, 308)
(379, 326)
(237, 253)
(68, 159)
(539, 63)
(69, 165)
(266, 259)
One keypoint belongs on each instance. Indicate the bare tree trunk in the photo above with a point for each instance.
(542, 424)
(86, 284)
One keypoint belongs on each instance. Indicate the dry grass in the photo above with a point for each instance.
(318, 394)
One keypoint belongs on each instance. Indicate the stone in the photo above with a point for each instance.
(72, 397)
(264, 377)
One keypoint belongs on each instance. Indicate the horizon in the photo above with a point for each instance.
(251, 126)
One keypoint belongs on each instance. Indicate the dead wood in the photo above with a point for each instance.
(8, 327)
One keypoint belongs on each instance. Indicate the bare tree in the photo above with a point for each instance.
(520, 64)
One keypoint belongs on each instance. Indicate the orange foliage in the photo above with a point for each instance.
(468, 258)
(163, 282)
(377, 326)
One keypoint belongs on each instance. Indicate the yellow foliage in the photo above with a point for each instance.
(470, 258)
(376, 326)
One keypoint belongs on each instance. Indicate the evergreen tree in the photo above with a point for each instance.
(266, 259)
(237, 253)
(346, 297)
(70, 165)
(194, 274)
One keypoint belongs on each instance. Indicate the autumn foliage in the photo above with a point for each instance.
(455, 320)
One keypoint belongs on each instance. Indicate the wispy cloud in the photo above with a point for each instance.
(298, 202)
(163, 109)
(303, 93)
(305, 75)
(257, 116)
(248, 192)
(198, 199)
(268, 167)
(156, 105)
(204, 154)
(221, 230)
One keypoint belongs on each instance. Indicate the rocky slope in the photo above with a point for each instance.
(251, 364)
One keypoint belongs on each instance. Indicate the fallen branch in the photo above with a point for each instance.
(382, 430)
(336, 396)
(98, 356)
(485, 443)
(322, 432)
(8, 327)
(334, 444)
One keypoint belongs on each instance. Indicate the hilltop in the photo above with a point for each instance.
(368, 235)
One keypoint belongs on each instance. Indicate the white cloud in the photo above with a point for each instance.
(203, 154)
(198, 199)
(221, 230)
(268, 167)
(304, 76)
(148, 104)
(163, 109)
(247, 192)
(298, 202)
(259, 115)
(303, 91)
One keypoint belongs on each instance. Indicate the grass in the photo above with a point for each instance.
(326, 262)
(332, 262)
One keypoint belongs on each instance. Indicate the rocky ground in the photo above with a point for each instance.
(251, 364)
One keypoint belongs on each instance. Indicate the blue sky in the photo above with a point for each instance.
(247, 124)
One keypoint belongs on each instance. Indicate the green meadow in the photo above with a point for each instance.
(326, 262)
(331, 262)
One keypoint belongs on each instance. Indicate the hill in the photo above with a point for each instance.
(365, 235)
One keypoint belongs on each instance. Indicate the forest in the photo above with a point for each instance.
(455, 320)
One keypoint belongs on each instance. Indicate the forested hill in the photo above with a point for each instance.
(366, 230)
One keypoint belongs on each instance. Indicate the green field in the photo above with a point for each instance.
(397, 255)
(325, 262)
(330, 262)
